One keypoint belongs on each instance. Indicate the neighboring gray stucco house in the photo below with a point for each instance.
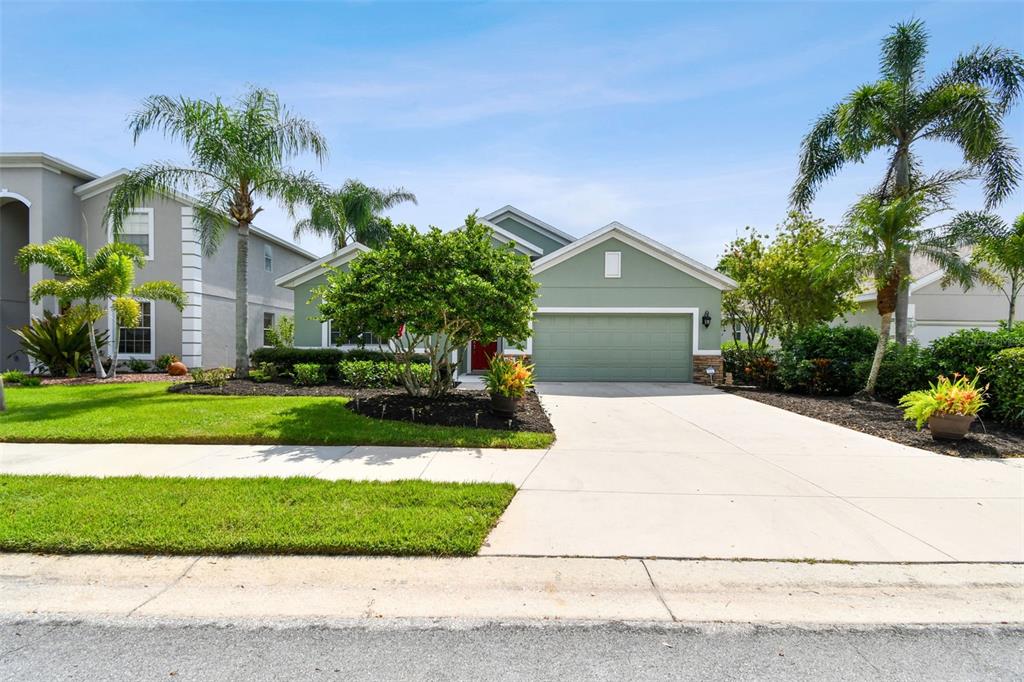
(42, 197)
(935, 311)
(613, 305)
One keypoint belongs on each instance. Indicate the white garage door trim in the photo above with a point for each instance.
(693, 312)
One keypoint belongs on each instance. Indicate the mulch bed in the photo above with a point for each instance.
(121, 378)
(458, 408)
(988, 439)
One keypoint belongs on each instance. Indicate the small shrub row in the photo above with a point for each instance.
(309, 374)
(216, 376)
(372, 374)
(284, 359)
(16, 377)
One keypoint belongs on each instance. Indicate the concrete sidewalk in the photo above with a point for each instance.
(361, 463)
(243, 588)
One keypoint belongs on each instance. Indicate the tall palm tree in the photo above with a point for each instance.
(964, 106)
(880, 235)
(997, 250)
(353, 213)
(89, 287)
(237, 155)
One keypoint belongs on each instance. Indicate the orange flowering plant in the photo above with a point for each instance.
(959, 396)
(510, 377)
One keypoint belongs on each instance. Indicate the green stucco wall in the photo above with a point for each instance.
(529, 234)
(308, 332)
(646, 282)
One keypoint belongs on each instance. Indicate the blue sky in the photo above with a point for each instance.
(682, 120)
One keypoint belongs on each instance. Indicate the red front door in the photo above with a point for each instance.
(480, 355)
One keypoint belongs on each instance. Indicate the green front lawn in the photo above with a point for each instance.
(147, 413)
(134, 515)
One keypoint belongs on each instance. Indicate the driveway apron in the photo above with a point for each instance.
(680, 470)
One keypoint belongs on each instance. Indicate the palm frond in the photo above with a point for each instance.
(862, 121)
(145, 182)
(821, 157)
(161, 290)
(63, 255)
(903, 53)
(211, 223)
(1000, 70)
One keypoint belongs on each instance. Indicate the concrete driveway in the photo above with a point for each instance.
(660, 470)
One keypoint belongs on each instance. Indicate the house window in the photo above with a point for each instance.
(137, 229)
(268, 258)
(364, 339)
(138, 340)
(612, 264)
(268, 326)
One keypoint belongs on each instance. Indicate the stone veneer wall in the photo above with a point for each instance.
(701, 363)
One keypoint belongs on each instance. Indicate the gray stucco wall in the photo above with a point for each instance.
(646, 282)
(14, 304)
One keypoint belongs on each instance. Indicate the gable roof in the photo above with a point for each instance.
(536, 223)
(642, 243)
(504, 236)
(42, 160)
(316, 268)
(102, 184)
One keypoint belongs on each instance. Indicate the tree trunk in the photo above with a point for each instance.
(242, 303)
(3, 400)
(96, 359)
(115, 335)
(876, 362)
(903, 302)
(1014, 292)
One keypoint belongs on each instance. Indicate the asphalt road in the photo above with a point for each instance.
(410, 651)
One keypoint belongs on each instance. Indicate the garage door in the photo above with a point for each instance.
(586, 347)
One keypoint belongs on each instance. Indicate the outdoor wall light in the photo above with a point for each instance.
(706, 319)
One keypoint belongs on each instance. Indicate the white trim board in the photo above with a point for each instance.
(694, 313)
(314, 269)
(638, 241)
(504, 236)
(930, 278)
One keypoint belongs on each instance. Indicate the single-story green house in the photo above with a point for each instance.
(613, 305)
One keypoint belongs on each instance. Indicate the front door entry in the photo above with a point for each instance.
(480, 355)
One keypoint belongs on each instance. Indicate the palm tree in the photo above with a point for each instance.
(964, 106)
(237, 156)
(353, 213)
(998, 252)
(880, 235)
(86, 288)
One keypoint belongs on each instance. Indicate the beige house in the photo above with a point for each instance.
(936, 311)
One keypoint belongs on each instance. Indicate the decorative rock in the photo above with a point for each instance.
(177, 369)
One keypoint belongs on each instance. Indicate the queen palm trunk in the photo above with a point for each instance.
(97, 361)
(902, 165)
(242, 302)
(3, 400)
(886, 300)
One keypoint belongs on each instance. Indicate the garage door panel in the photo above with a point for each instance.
(581, 347)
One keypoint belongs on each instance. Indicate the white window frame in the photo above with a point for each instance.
(152, 230)
(325, 340)
(111, 321)
(273, 323)
(268, 255)
(612, 264)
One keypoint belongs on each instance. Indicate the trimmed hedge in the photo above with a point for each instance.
(904, 369)
(968, 349)
(1007, 386)
(284, 359)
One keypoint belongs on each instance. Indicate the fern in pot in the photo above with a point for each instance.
(507, 380)
(948, 407)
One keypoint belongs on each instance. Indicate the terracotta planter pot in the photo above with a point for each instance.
(177, 369)
(950, 426)
(502, 406)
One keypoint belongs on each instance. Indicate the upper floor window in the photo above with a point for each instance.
(365, 339)
(613, 264)
(137, 229)
(268, 258)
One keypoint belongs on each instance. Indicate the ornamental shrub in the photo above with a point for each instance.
(904, 369)
(13, 376)
(368, 373)
(165, 361)
(1007, 386)
(750, 366)
(826, 360)
(309, 374)
(218, 376)
(966, 350)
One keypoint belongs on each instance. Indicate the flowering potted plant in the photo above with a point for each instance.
(948, 407)
(507, 381)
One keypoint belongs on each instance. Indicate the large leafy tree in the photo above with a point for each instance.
(87, 288)
(998, 252)
(964, 106)
(435, 291)
(796, 280)
(237, 156)
(353, 213)
(882, 234)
